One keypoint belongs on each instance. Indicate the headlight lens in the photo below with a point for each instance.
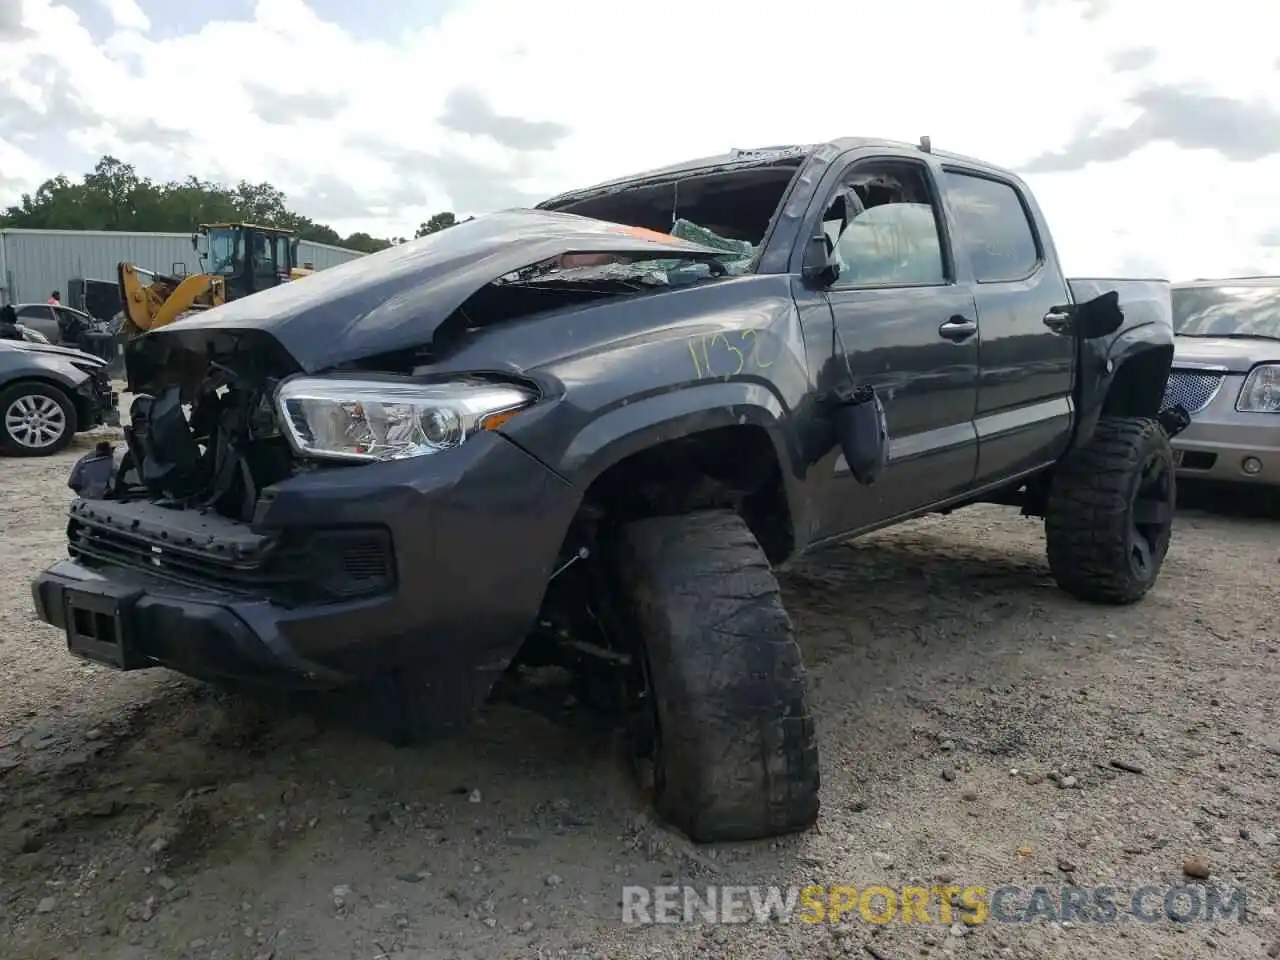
(353, 419)
(1261, 390)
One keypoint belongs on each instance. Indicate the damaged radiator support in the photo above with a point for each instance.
(218, 459)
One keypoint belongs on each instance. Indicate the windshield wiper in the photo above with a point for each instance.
(1233, 336)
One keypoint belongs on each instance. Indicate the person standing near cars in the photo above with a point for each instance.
(55, 299)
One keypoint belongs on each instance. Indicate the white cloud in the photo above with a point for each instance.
(641, 87)
(20, 171)
(127, 15)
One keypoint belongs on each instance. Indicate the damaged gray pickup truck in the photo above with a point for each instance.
(585, 434)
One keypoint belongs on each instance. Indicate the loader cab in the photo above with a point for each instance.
(249, 258)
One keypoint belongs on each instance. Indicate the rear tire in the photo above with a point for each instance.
(36, 420)
(735, 747)
(1110, 512)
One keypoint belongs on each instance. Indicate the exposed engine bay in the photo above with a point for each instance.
(217, 457)
(206, 433)
(214, 442)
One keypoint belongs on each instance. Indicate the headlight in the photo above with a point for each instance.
(1261, 390)
(353, 419)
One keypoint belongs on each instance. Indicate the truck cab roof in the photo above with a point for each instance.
(783, 155)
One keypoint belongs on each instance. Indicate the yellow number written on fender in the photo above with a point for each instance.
(727, 354)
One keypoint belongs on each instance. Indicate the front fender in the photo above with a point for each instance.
(17, 366)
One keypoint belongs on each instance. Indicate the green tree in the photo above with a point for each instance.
(362, 241)
(260, 203)
(114, 197)
(436, 223)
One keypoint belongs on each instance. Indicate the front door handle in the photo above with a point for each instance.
(958, 328)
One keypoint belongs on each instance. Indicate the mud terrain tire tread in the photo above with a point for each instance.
(1088, 517)
(738, 755)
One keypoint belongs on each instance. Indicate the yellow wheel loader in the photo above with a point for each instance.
(240, 259)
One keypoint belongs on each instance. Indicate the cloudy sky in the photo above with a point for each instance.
(1150, 131)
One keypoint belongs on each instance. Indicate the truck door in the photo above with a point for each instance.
(904, 325)
(263, 273)
(1026, 368)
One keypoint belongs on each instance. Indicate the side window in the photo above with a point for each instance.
(35, 312)
(993, 228)
(70, 319)
(884, 229)
(890, 244)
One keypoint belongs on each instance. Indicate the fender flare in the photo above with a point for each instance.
(638, 425)
(1136, 342)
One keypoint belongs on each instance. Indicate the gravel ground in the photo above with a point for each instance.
(970, 717)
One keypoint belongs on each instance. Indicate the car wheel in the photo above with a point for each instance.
(1110, 512)
(734, 746)
(36, 420)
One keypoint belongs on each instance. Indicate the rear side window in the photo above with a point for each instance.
(34, 312)
(993, 228)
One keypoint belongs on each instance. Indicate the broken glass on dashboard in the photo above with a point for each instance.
(625, 269)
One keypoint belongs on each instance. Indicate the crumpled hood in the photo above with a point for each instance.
(1237, 354)
(396, 299)
(26, 346)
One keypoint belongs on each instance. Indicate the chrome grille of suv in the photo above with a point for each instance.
(1193, 389)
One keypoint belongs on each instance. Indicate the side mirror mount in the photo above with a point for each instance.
(862, 430)
(821, 268)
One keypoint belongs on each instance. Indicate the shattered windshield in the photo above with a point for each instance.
(1227, 311)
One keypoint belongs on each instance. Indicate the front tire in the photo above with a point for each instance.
(36, 420)
(735, 752)
(1110, 512)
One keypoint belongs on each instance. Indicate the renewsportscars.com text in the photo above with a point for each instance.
(939, 904)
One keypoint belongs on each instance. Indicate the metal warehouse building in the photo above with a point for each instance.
(35, 262)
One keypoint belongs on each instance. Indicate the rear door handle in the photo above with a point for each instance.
(1059, 321)
(958, 328)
